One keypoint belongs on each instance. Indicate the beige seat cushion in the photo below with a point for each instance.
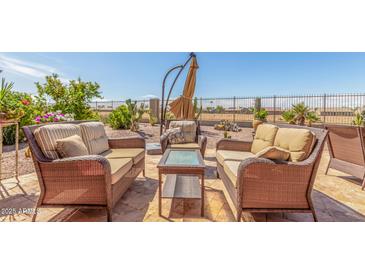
(72, 146)
(47, 136)
(94, 136)
(185, 146)
(119, 168)
(231, 155)
(298, 141)
(274, 153)
(188, 128)
(136, 154)
(264, 137)
(231, 170)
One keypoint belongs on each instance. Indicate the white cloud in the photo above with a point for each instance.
(25, 68)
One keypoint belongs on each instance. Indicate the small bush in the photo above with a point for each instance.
(120, 118)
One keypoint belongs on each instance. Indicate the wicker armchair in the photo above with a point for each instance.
(200, 140)
(85, 181)
(263, 185)
(346, 146)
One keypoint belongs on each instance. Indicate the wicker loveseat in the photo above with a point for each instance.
(190, 128)
(257, 184)
(95, 180)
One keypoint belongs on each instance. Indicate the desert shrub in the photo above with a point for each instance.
(120, 118)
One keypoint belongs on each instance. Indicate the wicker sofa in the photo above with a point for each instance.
(190, 128)
(262, 185)
(346, 146)
(95, 180)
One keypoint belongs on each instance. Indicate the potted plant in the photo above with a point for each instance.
(259, 117)
(9, 105)
(358, 120)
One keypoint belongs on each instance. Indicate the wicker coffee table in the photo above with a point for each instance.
(183, 168)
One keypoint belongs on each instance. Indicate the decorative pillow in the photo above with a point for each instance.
(72, 146)
(264, 137)
(188, 129)
(175, 136)
(298, 141)
(274, 153)
(94, 137)
(46, 137)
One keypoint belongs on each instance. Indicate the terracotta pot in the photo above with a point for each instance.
(256, 123)
(2, 116)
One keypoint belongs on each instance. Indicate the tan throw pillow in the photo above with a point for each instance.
(72, 146)
(298, 141)
(175, 136)
(274, 153)
(264, 137)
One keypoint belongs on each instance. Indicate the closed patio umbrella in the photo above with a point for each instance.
(182, 107)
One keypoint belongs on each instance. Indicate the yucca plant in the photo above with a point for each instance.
(358, 119)
(288, 116)
(311, 118)
(135, 112)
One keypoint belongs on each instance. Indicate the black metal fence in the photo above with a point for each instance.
(330, 108)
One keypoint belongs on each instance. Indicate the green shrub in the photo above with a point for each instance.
(120, 118)
(72, 98)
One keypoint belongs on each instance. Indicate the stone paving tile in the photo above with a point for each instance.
(336, 196)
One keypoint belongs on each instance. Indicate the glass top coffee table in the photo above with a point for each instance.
(183, 168)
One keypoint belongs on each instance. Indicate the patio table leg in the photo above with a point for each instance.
(202, 194)
(159, 193)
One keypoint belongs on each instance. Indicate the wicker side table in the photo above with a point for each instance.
(4, 124)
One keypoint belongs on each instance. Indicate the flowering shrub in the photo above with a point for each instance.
(50, 117)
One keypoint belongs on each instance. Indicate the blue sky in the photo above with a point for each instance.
(139, 75)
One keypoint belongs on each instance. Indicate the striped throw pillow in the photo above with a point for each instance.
(47, 136)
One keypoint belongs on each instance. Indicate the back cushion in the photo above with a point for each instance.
(264, 137)
(47, 136)
(298, 141)
(188, 128)
(94, 137)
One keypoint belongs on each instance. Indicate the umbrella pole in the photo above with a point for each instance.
(164, 108)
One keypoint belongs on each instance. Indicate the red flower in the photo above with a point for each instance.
(25, 102)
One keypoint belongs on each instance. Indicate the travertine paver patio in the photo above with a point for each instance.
(337, 197)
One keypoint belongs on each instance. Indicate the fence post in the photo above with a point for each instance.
(274, 109)
(96, 105)
(112, 105)
(201, 105)
(234, 109)
(324, 108)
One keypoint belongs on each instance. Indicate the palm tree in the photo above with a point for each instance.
(301, 111)
(289, 116)
(311, 118)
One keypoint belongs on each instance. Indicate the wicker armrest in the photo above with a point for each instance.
(260, 178)
(81, 166)
(127, 142)
(232, 144)
(202, 142)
